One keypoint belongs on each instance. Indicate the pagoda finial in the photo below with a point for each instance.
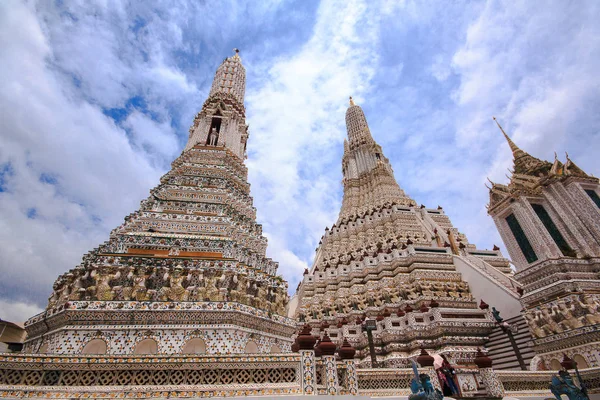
(352, 101)
(512, 144)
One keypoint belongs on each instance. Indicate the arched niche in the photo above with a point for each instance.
(194, 346)
(276, 349)
(580, 360)
(94, 346)
(555, 365)
(251, 347)
(146, 346)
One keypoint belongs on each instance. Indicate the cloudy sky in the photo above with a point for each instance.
(96, 99)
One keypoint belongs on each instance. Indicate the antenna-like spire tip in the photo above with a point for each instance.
(351, 101)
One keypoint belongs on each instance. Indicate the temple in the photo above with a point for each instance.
(402, 266)
(187, 272)
(549, 218)
(182, 302)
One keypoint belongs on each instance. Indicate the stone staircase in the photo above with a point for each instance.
(501, 351)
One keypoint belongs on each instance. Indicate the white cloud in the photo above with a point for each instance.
(17, 312)
(429, 78)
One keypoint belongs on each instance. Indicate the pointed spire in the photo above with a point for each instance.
(571, 169)
(351, 102)
(514, 148)
(524, 163)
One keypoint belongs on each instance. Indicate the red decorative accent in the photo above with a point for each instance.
(346, 351)
(408, 309)
(400, 313)
(483, 305)
(327, 347)
(305, 340)
(305, 271)
(295, 346)
(317, 348)
(423, 308)
(424, 359)
(379, 318)
(386, 313)
(434, 304)
(482, 361)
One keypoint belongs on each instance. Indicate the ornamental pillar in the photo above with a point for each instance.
(493, 386)
(346, 353)
(327, 349)
(306, 343)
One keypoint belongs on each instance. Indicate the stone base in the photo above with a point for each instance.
(119, 327)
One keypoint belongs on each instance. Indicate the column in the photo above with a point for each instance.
(309, 382)
(351, 377)
(493, 386)
(331, 377)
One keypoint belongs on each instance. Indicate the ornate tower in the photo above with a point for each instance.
(187, 273)
(549, 218)
(401, 266)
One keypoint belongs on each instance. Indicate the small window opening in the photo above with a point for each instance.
(213, 133)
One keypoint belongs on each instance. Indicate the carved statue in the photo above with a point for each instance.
(66, 291)
(440, 289)
(58, 288)
(211, 291)
(239, 291)
(563, 384)
(279, 302)
(463, 288)
(411, 292)
(260, 301)
(102, 289)
(425, 288)
(547, 322)
(569, 322)
(175, 291)
(139, 291)
(533, 326)
(212, 137)
(342, 304)
(78, 289)
(590, 306)
(452, 288)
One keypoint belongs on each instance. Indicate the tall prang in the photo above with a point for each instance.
(400, 265)
(549, 218)
(187, 272)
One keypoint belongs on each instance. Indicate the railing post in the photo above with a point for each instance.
(309, 371)
(346, 353)
(426, 362)
(351, 377)
(331, 378)
(327, 349)
(493, 386)
(306, 343)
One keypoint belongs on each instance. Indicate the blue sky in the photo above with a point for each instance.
(97, 97)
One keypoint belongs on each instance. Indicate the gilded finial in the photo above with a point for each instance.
(352, 101)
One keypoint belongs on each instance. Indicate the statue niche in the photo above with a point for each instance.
(215, 128)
